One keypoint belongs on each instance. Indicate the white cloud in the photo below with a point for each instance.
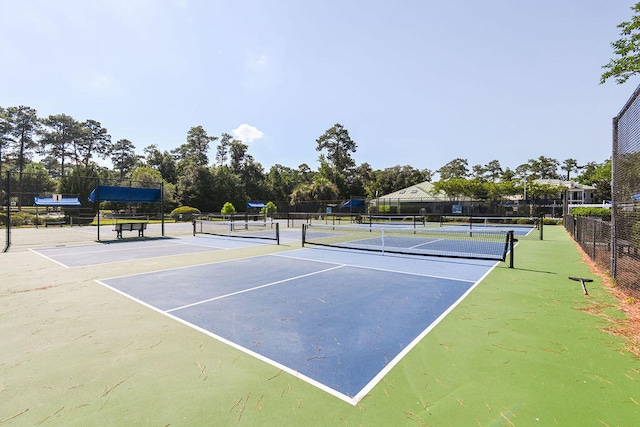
(247, 133)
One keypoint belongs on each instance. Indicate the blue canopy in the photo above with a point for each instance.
(353, 203)
(108, 193)
(259, 205)
(49, 201)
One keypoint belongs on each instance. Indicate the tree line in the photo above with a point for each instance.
(68, 149)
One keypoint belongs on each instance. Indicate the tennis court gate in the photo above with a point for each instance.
(625, 189)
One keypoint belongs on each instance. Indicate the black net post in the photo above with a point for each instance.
(304, 228)
(512, 241)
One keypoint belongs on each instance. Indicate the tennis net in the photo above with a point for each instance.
(405, 221)
(491, 245)
(242, 229)
(507, 222)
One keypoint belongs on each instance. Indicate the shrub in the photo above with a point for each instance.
(525, 221)
(184, 213)
(22, 218)
(269, 210)
(604, 213)
(551, 221)
(228, 209)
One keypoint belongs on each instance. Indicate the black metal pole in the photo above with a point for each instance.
(511, 243)
(97, 200)
(8, 243)
(162, 205)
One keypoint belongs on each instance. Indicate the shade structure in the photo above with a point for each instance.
(107, 193)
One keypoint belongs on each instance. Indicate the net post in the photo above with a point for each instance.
(277, 233)
(511, 246)
(541, 226)
(304, 234)
(194, 227)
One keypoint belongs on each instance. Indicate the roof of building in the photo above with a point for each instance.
(418, 192)
(571, 185)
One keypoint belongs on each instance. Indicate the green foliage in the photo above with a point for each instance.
(627, 61)
(599, 176)
(21, 218)
(603, 213)
(635, 234)
(184, 213)
(228, 209)
(456, 168)
(194, 151)
(551, 221)
(269, 209)
(338, 145)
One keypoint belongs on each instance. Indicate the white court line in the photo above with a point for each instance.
(255, 288)
(426, 243)
(49, 258)
(375, 380)
(382, 269)
(114, 249)
(121, 250)
(186, 266)
(284, 368)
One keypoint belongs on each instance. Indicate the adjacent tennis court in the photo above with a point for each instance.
(131, 250)
(338, 325)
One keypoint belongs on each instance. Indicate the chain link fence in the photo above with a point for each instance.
(625, 239)
(594, 237)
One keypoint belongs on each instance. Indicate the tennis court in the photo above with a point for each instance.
(339, 326)
(136, 249)
(239, 332)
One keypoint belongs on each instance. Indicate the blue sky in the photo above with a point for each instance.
(416, 82)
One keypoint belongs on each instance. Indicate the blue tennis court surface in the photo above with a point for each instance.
(338, 325)
(128, 250)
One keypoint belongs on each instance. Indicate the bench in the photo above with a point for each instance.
(48, 222)
(130, 226)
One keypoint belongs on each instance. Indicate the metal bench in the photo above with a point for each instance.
(48, 222)
(130, 226)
